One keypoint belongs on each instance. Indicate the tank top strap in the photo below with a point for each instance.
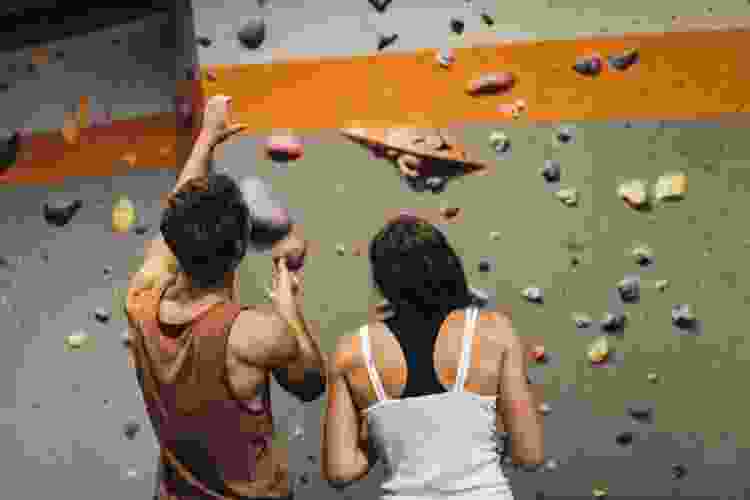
(468, 337)
(370, 362)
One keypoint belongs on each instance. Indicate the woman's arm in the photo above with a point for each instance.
(347, 457)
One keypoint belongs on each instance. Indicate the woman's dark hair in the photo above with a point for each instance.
(414, 266)
(206, 224)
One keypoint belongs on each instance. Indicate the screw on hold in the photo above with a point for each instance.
(625, 60)
(551, 171)
(588, 66)
(643, 255)
(204, 41)
(533, 294)
(457, 26)
(487, 19)
(386, 41)
(60, 213)
(253, 33)
(613, 322)
(131, 429)
(101, 315)
(380, 5)
(629, 289)
(682, 316)
(679, 471)
(484, 266)
(624, 438)
(582, 320)
(641, 414)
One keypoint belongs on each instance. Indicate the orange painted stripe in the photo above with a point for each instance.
(681, 76)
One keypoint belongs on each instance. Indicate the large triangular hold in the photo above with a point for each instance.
(429, 144)
(380, 5)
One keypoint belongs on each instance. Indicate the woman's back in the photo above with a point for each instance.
(440, 440)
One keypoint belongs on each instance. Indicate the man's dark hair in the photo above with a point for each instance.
(206, 224)
(414, 266)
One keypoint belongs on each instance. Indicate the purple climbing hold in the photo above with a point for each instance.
(589, 66)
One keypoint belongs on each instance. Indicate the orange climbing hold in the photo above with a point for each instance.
(70, 130)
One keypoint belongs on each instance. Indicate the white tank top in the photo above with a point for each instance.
(437, 446)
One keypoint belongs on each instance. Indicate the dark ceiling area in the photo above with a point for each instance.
(40, 22)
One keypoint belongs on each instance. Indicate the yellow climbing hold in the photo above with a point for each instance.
(670, 187)
(70, 130)
(599, 350)
(123, 215)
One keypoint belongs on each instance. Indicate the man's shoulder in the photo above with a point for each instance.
(259, 332)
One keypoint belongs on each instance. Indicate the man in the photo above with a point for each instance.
(203, 362)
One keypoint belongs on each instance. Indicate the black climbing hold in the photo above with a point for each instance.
(574, 260)
(130, 429)
(36, 405)
(253, 34)
(487, 19)
(484, 266)
(679, 471)
(641, 414)
(629, 289)
(588, 66)
(4, 262)
(203, 41)
(380, 5)
(682, 317)
(564, 135)
(304, 478)
(101, 315)
(61, 212)
(107, 270)
(457, 26)
(551, 171)
(311, 459)
(624, 61)
(386, 41)
(436, 184)
(613, 322)
(4, 87)
(624, 438)
(10, 144)
(141, 229)
(116, 41)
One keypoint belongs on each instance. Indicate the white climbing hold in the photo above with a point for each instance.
(598, 350)
(569, 196)
(633, 193)
(77, 340)
(340, 249)
(643, 255)
(662, 285)
(494, 235)
(533, 294)
(670, 187)
(499, 142)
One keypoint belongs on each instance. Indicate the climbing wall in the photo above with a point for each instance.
(661, 418)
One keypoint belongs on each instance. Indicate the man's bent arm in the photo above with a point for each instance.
(306, 377)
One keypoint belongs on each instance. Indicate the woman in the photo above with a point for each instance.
(430, 389)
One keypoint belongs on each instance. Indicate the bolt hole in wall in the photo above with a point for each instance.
(588, 231)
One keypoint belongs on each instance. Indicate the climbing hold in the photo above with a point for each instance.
(491, 83)
(625, 60)
(125, 338)
(598, 350)
(662, 285)
(551, 170)
(487, 19)
(551, 464)
(203, 41)
(533, 294)
(479, 297)
(210, 76)
(123, 215)
(141, 229)
(107, 270)
(131, 428)
(340, 249)
(457, 26)
(484, 266)
(599, 492)
(101, 315)
(589, 66)
(494, 235)
(311, 459)
(10, 146)
(582, 320)
(253, 33)
(385, 41)
(564, 135)
(77, 340)
(449, 212)
(71, 132)
(574, 261)
(679, 471)
(132, 473)
(538, 354)
(670, 187)
(284, 148)
(569, 196)
(653, 378)
(435, 184)
(544, 409)
(629, 289)
(641, 414)
(613, 322)
(643, 255)
(499, 142)
(682, 316)
(446, 57)
(60, 213)
(304, 478)
(633, 193)
(380, 5)
(624, 438)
